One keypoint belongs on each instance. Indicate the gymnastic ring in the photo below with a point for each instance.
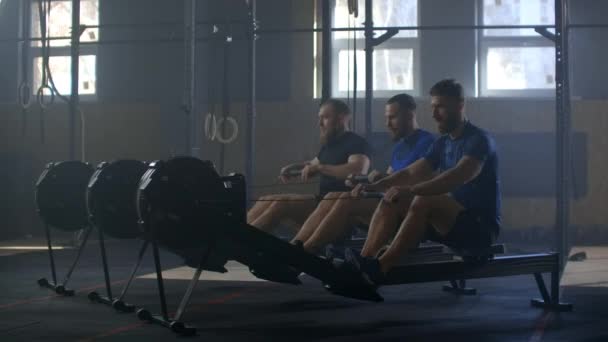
(40, 97)
(25, 92)
(235, 130)
(210, 126)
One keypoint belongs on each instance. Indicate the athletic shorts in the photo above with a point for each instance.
(471, 232)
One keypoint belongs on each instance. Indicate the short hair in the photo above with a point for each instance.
(448, 87)
(406, 102)
(339, 106)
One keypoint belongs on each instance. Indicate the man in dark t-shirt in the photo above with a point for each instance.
(459, 206)
(338, 151)
(342, 153)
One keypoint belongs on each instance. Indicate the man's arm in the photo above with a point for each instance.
(357, 164)
(295, 168)
(419, 170)
(465, 170)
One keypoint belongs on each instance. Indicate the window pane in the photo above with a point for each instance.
(61, 72)
(393, 70)
(517, 12)
(386, 13)
(346, 65)
(60, 21)
(520, 68)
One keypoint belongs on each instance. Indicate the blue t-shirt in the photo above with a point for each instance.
(483, 192)
(410, 149)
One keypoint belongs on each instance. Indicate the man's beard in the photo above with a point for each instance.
(450, 124)
(397, 134)
(330, 135)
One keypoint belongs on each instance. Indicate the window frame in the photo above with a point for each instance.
(35, 52)
(487, 42)
(394, 43)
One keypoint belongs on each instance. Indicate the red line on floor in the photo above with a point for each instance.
(541, 325)
(40, 299)
(114, 332)
(26, 301)
(95, 287)
(220, 300)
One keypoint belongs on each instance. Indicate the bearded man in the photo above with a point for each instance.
(342, 153)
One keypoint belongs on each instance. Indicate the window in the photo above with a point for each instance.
(516, 62)
(59, 25)
(395, 61)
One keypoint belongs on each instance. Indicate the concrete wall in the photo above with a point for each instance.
(138, 115)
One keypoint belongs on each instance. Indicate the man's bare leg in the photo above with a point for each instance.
(438, 211)
(339, 220)
(260, 206)
(290, 206)
(385, 223)
(314, 220)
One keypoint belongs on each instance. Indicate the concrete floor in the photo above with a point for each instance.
(237, 306)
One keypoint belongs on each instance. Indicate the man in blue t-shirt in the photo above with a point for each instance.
(331, 220)
(459, 203)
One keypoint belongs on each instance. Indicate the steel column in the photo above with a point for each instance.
(562, 130)
(74, 96)
(326, 51)
(251, 104)
(193, 129)
(369, 66)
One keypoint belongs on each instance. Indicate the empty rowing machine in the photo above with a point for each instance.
(60, 202)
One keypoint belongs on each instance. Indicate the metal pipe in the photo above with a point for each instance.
(140, 256)
(369, 66)
(193, 129)
(161, 24)
(159, 280)
(25, 88)
(583, 26)
(405, 28)
(562, 130)
(50, 249)
(173, 39)
(104, 263)
(326, 51)
(279, 30)
(74, 96)
(23, 50)
(251, 105)
(333, 29)
(225, 98)
(87, 233)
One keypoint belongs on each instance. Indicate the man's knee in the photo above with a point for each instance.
(280, 198)
(421, 204)
(269, 198)
(387, 207)
(344, 201)
(333, 195)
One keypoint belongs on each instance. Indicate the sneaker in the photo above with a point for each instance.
(369, 268)
(298, 244)
(333, 252)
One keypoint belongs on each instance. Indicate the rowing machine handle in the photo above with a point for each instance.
(359, 179)
(293, 173)
(366, 194)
